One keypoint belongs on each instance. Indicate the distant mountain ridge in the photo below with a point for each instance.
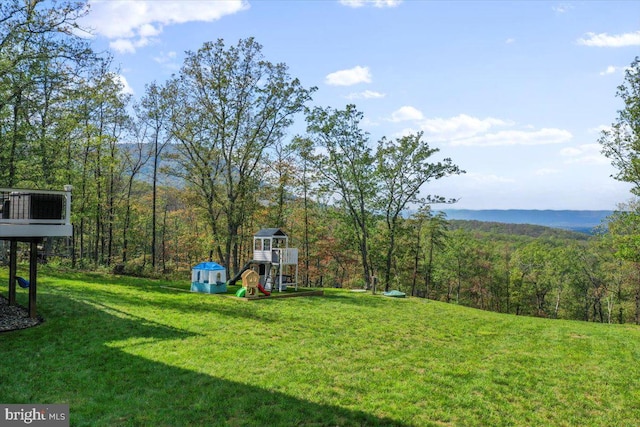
(575, 220)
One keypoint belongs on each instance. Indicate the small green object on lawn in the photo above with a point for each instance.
(394, 294)
(241, 292)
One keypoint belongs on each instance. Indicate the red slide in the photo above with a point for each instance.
(263, 290)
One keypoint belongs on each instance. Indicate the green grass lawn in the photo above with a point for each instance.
(232, 289)
(129, 352)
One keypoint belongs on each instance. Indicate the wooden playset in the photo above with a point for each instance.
(273, 267)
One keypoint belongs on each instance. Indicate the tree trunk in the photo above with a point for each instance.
(306, 237)
(154, 200)
(110, 215)
(387, 273)
(11, 179)
(164, 239)
(555, 312)
(428, 270)
(459, 281)
(127, 221)
(637, 300)
(416, 260)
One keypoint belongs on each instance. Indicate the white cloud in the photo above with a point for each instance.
(163, 58)
(606, 40)
(610, 70)
(405, 132)
(366, 122)
(406, 113)
(168, 60)
(510, 40)
(584, 154)
(123, 46)
(517, 137)
(148, 30)
(374, 3)
(458, 127)
(570, 152)
(130, 46)
(487, 178)
(546, 172)
(349, 77)
(367, 94)
(465, 130)
(599, 129)
(593, 159)
(125, 84)
(562, 8)
(133, 24)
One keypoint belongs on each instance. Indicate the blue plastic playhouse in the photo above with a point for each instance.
(209, 277)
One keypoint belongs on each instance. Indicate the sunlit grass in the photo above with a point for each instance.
(128, 351)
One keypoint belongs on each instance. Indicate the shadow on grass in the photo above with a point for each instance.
(359, 299)
(73, 358)
(187, 302)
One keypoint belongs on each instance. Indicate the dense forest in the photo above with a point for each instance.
(191, 169)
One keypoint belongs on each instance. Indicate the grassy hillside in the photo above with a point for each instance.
(129, 352)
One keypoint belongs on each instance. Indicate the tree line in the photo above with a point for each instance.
(198, 163)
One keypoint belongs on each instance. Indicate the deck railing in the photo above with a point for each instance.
(283, 256)
(37, 213)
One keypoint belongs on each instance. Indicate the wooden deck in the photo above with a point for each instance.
(27, 214)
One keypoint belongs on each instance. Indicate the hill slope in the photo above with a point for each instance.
(124, 351)
(517, 229)
(576, 220)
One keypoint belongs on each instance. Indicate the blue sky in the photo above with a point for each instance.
(514, 92)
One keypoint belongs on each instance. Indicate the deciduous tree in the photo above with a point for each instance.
(621, 143)
(233, 105)
(346, 165)
(404, 166)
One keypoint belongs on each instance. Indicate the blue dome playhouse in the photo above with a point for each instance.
(209, 277)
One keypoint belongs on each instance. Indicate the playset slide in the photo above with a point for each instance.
(263, 290)
(243, 291)
(237, 276)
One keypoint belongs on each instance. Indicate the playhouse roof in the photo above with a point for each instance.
(270, 232)
(208, 266)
